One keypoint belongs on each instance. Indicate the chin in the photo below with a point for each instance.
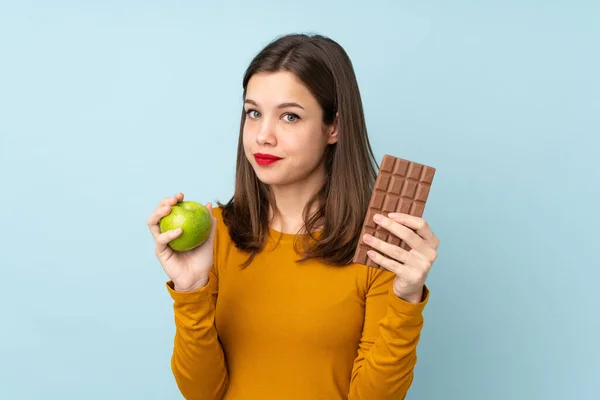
(273, 178)
(270, 179)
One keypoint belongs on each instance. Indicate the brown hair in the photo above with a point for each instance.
(326, 70)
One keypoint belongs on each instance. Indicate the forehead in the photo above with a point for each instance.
(273, 88)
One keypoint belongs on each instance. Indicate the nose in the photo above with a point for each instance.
(266, 134)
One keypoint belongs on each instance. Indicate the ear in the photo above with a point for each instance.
(332, 131)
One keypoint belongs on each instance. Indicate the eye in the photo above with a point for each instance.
(253, 114)
(290, 117)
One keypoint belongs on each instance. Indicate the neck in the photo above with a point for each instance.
(291, 201)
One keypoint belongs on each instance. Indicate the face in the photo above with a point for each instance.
(284, 135)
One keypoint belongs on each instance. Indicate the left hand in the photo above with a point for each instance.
(411, 267)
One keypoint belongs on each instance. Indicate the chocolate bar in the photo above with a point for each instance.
(401, 186)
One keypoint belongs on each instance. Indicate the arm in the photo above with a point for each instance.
(387, 356)
(198, 361)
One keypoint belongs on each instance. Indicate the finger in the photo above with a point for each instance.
(170, 201)
(411, 259)
(420, 266)
(395, 252)
(429, 255)
(408, 235)
(154, 219)
(390, 265)
(163, 239)
(405, 276)
(419, 225)
(163, 209)
(426, 249)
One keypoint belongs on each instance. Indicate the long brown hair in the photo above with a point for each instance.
(326, 70)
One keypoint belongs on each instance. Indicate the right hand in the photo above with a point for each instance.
(188, 270)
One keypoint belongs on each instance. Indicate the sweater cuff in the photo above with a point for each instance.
(188, 297)
(402, 306)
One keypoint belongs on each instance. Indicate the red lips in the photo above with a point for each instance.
(265, 159)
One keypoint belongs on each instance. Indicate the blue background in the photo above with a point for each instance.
(107, 107)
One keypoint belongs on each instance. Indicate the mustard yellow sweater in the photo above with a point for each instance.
(286, 331)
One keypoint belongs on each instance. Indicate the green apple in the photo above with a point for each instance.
(195, 221)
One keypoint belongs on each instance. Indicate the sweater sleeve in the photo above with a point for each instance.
(198, 361)
(383, 369)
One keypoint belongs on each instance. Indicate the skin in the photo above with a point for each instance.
(188, 270)
(410, 267)
(284, 119)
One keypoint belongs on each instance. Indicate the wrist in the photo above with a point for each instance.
(415, 297)
(192, 288)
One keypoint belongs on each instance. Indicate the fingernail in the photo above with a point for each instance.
(377, 218)
(371, 253)
(367, 238)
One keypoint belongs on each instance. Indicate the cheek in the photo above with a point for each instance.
(308, 143)
(304, 152)
(247, 138)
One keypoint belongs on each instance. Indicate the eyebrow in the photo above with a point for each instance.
(282, 105)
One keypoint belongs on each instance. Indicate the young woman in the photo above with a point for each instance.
(271, 305)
